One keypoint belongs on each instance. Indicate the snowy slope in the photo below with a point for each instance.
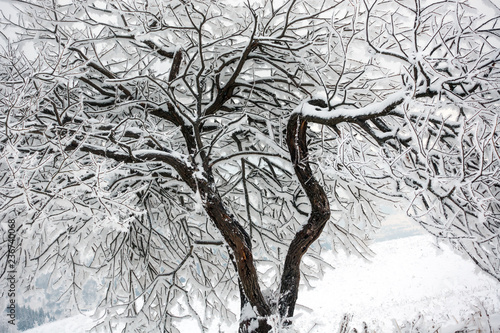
(407, 277)
(76, 324)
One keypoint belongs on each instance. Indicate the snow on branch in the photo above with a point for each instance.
(322, 115)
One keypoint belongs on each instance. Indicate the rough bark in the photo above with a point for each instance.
(239, 242)
(319, 215)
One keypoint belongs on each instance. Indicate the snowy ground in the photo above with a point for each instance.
(408, 277)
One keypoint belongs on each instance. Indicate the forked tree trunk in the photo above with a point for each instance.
(240, 244)
(319, 216)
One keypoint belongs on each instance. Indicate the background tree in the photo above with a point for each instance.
(153, 148)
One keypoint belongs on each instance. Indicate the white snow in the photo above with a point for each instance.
(409, 277)
(76, 324)
(307, 109)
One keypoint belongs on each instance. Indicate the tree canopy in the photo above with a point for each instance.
(178, 151)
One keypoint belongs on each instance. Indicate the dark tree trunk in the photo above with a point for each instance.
(319, 215)
(247, 324)
(239, 241)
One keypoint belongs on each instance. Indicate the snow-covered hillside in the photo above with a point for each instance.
(410, 280)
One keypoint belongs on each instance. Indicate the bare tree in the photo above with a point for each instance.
(154, 147)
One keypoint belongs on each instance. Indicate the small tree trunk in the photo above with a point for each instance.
(319, 216)
(248, 325)
(240, 247)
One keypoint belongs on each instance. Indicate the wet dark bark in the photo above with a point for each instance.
(318, 217)
(238, 241)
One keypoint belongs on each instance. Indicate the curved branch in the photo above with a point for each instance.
(318, 217)
(175, 160)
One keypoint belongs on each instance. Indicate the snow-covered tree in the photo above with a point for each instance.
(150, 150)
